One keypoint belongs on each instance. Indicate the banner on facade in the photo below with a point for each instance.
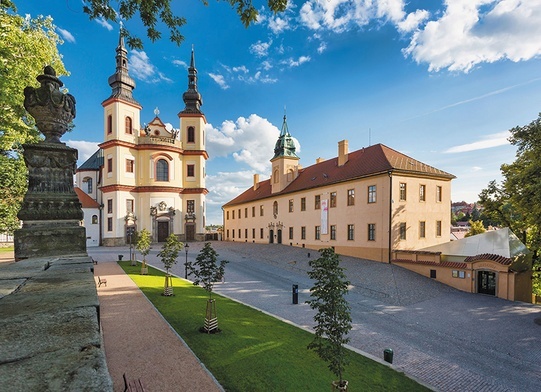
(324, 215)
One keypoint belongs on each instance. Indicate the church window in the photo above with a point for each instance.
(275, 208)
(109, 124)
(191, 135)
(109, 165)
(94, 219)
(190, 170)
(275, 176)
(109, 206)
(128, 125)
(162, 170)
(130, 164)
(129, 205)
(88, 182)
(190, 207)
(109, 224)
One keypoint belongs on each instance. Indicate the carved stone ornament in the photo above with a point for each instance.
(52, 109)
(162, 206)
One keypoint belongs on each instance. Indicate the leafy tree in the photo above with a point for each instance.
(143, 246)
(206, 269)
(169, 255)
(150, 12)
(26, 47)
(333, 318)
(476, 227)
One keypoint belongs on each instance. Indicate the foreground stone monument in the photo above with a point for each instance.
(51, 211)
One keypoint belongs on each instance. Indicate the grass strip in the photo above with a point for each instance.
(254, 351)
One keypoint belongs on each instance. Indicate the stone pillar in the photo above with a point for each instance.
(51, 211)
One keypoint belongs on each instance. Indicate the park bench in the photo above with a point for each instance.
(133, 385)
(102, 281)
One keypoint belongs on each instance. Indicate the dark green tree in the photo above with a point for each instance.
(143, 246)
(151, 12)
(333, 317)
(206, 269)
(169, 255)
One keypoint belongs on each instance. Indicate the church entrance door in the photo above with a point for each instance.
(163, 231)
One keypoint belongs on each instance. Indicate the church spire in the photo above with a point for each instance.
(285, 146)
(192, 98)
(121, 83)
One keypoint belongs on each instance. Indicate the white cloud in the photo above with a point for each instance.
(260, 49)
(490, 141)
(180, 63)
(220, 80)
(278, 24)
(86, 149)
(471, 32)
(142, 69)
(413, 20)
(266, 65)
(241, 69)
(66, 35)
(295, 63)
(322, 47)
(104, 23)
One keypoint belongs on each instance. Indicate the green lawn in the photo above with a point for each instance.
(7, 249)
(254, 351)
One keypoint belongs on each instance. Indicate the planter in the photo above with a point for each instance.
(336, 386)
(144, 270)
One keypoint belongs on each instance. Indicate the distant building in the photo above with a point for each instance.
(149, 177)
(91, 213)
(364, 203)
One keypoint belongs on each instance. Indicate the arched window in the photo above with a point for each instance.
(275, 178)
(162, 170)
(94, 219)
(275, 208)
(191, 135)
(109, 124)
(88, 182)
(129, 128)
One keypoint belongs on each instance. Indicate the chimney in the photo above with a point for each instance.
(256, 182)
(319, 160)
(342, 152)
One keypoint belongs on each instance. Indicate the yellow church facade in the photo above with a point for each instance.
(366, 203)
(148, 177)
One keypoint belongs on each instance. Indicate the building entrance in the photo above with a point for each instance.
(279, 239)
(486, 282)
(271, 236)
(190, 232)
(163, 231)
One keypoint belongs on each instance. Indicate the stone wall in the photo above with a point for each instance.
(49, 318)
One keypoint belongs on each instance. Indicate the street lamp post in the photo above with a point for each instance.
(186, 246)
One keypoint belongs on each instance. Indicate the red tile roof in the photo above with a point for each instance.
(488, 256)
(448, 264)
(86, 201)
(369, 161)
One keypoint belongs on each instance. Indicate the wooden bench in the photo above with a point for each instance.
(102, 281)
(133, 385)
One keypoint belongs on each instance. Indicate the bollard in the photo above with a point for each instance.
(295, 293)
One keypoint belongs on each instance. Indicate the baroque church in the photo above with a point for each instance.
(146, 177)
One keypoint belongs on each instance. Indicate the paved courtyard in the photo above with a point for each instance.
(447, 339)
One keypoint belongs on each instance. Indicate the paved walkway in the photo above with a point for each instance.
(140, 343)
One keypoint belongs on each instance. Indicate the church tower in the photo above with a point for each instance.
(285, 162)
(192, 133)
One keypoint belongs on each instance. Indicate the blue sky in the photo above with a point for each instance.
(441, 81)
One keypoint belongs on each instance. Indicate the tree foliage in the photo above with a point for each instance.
(206, 269)
(170, 251)
(143, 243)
(26, 47)
(151, 12)
(333, 317)
(476, 227)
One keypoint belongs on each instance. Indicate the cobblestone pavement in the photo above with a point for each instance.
(447, 339)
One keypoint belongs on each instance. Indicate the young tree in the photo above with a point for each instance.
(151, 12)
(26, 46)
(333, 317)
(476, 227)
(143, 246)
(169, 255)
(207, 272)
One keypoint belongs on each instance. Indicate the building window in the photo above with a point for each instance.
(317, 234)
(433, 273)
(438, 194)
(372, 194)
(402, 188)
(402, 230)
(333, 199)
(275, 208)
(303, 203)
(253, 212)
(333, 232)
(109, 165)
(128, 124)
(94, 219)
(275, 177)
(246, 233)
(130, 165)
(253, 233)
(371, 232)
(233, 213)
(303, 232)
(227, 233)
(422, 192)
(351, 197)
(261, 210)
(109, 206)
(261, 233)
(162, 170)
(246, 212)
(227, 216)
(190, 170)
(190, 206)
(109, 124)
(438, 228)
(191, 135)
(422, 229)
(240, 234)
(291, 233)
(233, 233)
(351, 232)
(109, 224)
(129, 205)
(290, 205)
(88, 182)
(239, 214)
(317, 202)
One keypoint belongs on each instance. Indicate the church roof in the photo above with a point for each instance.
(94, 162)
(374, 160)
